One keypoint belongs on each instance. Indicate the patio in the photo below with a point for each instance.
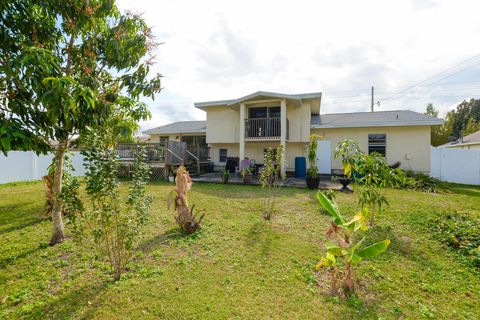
(215, 177)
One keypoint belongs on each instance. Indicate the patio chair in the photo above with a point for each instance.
(245, 163)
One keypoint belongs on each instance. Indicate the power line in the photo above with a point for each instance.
(385, 90)
(437, 75)
(381, 96)
(171, 106)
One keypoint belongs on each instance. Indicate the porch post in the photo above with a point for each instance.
(242, 132)
(283, 132)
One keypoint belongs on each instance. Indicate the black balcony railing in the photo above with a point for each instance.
(264, 128)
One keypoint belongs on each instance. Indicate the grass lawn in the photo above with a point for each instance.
(238, 266)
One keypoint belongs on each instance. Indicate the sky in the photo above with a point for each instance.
(413, 52)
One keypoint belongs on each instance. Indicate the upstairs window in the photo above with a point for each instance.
(264, 112)
(222, 155)
(377, 143)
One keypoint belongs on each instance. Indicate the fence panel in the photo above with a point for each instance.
(26, 165)
(455, 165)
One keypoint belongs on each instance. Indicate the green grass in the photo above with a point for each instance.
(238, 266)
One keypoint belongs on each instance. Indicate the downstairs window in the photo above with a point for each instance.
(377, 143)
(222, 155)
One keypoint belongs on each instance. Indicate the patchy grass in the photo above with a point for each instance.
(238, 266)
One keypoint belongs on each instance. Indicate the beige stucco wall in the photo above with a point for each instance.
(232, 151)
(222, 125)
(254, 150)
(409, 144)
(299, 122)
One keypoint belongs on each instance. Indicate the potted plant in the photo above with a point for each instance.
(312, 176)
(225, 175)
(246, 175)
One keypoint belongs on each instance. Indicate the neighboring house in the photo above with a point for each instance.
(190, 132)
(472, 141)
(246, 126)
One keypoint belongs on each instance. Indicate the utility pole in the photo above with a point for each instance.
(372, 99)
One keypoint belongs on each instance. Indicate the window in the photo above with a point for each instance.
(222, 155)
(274, 112)
(264, 112)
(255, 113)
(377, 143)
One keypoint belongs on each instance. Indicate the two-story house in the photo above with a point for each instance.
(246, 126)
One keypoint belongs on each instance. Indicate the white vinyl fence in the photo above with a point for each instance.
(25, 166)
(455, 165)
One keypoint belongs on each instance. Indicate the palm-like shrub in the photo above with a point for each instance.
(342, 253)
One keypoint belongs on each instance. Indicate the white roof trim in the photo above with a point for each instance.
(376, 124)
(312, 95)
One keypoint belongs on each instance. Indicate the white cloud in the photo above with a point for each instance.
(223, 49)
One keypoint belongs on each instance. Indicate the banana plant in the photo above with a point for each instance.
(341, 253)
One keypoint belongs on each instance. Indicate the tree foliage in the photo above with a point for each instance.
(462, 121)
(66, 66)
(373, 171)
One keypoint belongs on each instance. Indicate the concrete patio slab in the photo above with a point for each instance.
(215, 177)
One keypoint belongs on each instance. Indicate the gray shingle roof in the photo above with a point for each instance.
(180, 127)
(373, 119)
(472, 138)
(259, 94)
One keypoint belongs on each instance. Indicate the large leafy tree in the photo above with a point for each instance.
(467, 114)
(66, 66)
(462, 121)
(440, 133)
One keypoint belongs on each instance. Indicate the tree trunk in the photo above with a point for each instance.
(58, 236)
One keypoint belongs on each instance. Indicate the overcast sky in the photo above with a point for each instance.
(226, 49)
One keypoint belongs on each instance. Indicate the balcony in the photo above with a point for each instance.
(263, 129)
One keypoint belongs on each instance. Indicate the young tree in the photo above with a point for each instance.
(102, 222)
(271, 179)
(66, 66)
